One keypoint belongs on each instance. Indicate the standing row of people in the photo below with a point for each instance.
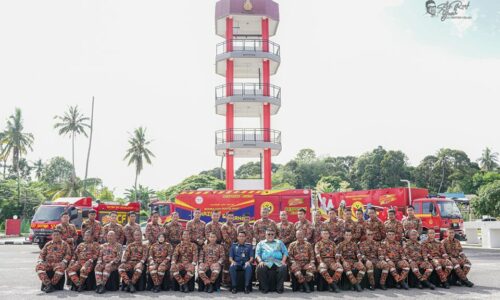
(331, 248)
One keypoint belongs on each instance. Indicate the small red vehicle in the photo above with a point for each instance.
(48, 215)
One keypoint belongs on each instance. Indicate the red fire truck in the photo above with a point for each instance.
(240, 202)
(47, 216)
(436, 213)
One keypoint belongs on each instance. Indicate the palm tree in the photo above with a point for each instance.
(73, 123)
(488, 160)
(15, 141)
(75, 187)
(143, 194)
(3, 157)
(138, 152)
(38, 166)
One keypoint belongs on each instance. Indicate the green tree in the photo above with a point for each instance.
(488, 200)
(32, 195)
(72, 123)
(105, 194)
(329, 184)
(138, 151)
(75, 187)
(215, 172)
(488, 160)
(16, 142)
(38, 167)
(306, 155)
(143, 194)
(57, 171)
(482, 178)
(194, 182)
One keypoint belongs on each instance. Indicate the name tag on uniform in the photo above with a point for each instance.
(243, 254)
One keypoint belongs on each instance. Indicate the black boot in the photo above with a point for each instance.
(445, 285)
(50, 288)
(371, 287)
(248, 290)
(335, 287)
(383, 287)
(307, 288)
(210, 288)
(405, 285)
(467, 283)
(358, 287)
(156, 289)
(131, 288)
(426, 283)
(234, 290)
(80, 288)
(420, 285)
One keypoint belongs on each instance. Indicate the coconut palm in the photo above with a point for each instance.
(138, 152)
(72, 123)
(75, 187)
(488, 160)
(38, 166)
(15, 141)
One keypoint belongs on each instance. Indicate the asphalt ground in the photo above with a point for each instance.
(18, 280)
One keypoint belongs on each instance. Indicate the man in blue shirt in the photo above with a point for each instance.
(241, 258)
(271, 255)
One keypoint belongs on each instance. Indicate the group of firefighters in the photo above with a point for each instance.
(333, 247)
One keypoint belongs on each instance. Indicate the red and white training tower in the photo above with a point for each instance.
(247, 59)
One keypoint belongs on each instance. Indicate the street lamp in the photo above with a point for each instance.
(409, 188)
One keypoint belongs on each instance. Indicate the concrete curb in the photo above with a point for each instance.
(15, 243)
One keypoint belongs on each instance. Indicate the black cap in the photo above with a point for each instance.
(92, 211)
(132, 213)
(391, 210)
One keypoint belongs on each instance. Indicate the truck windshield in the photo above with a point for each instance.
(48, 213)
(449, 209)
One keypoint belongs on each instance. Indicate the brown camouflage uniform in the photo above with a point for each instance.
(68, 234)
(356, 229)
(434, 251)
(348, 253)
(83, 260)
(286, 232)
(317, 227)
(215, 228)
(94, 228)
(460, 262)
(153, 231)
(336, 229)
(414, 253)
(229, 236)
(306, 227)
(396, 226)
(410, 223)
(107, 262)
(248, 229)
(128, 232)
(160, 255)
(325, 255)
(134, 258)
(360, 229)
(211, 257)
(369, 254)
(393, 254)
(173, 232)
(54, 257)
(117, 228)
(260, 226)
(377, 227)
(301, 256)
(184, 258)
(196, 230)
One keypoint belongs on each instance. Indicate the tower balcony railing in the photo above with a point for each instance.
(248, 45)
(247, 89)
(252, 135)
